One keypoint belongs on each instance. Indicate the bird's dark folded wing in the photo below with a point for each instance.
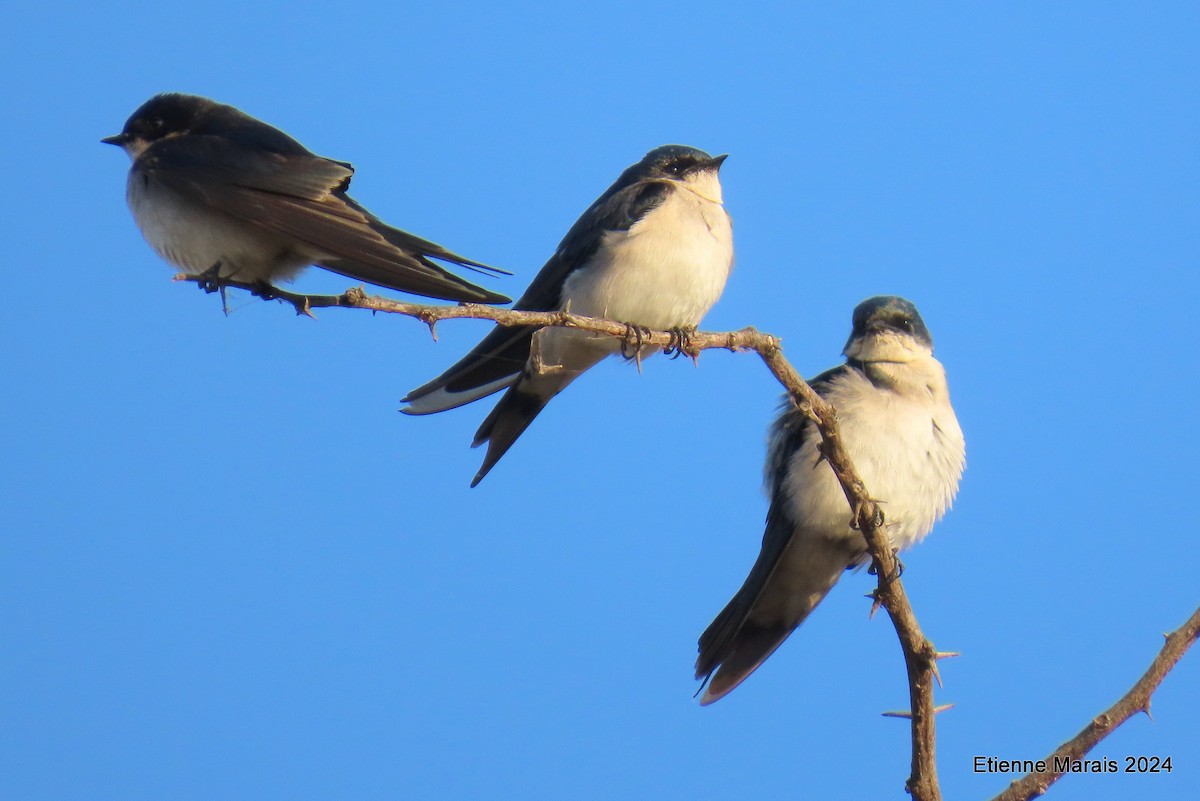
(195, 164)
(615, 210)
(503, 352)
(729, 636)
(301, 197)
(720, 639)
(792, 427)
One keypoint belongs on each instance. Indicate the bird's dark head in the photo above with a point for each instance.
(887, 328)
(676, 162)
(681, 164)
(160, 117)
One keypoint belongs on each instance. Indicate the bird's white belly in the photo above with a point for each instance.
(195, 238)
(664, 272)
(909, 465)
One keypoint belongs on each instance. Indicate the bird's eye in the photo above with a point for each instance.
(678, 167)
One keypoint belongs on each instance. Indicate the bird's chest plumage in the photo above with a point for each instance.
(908, 449)
(665, 272)
(196, 238)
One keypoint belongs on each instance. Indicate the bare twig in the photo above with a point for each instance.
(1134, 701)
(356, 298)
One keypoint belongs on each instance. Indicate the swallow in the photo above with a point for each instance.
(218, 192)
(899, 430)
(653, 251)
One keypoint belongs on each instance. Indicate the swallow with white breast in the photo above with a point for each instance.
(899, 430)
(653, 251)
(217, 192)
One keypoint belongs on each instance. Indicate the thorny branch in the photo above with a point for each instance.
(920, 657)
(1134, 701)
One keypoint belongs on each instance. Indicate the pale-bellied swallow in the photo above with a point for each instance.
(654, 250)
(899, 430)
(218, 192)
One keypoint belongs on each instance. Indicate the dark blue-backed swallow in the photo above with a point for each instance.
(900, 432)
(654, 250)
(218, 192)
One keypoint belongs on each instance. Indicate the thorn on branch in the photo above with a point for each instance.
(430, 318)
(908, 715)
(933, 663)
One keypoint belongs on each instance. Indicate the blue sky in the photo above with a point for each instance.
(233, 570)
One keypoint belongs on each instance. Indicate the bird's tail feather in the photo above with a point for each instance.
(556, 360)
(768, 608)
(507, 421)
(754, 644)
